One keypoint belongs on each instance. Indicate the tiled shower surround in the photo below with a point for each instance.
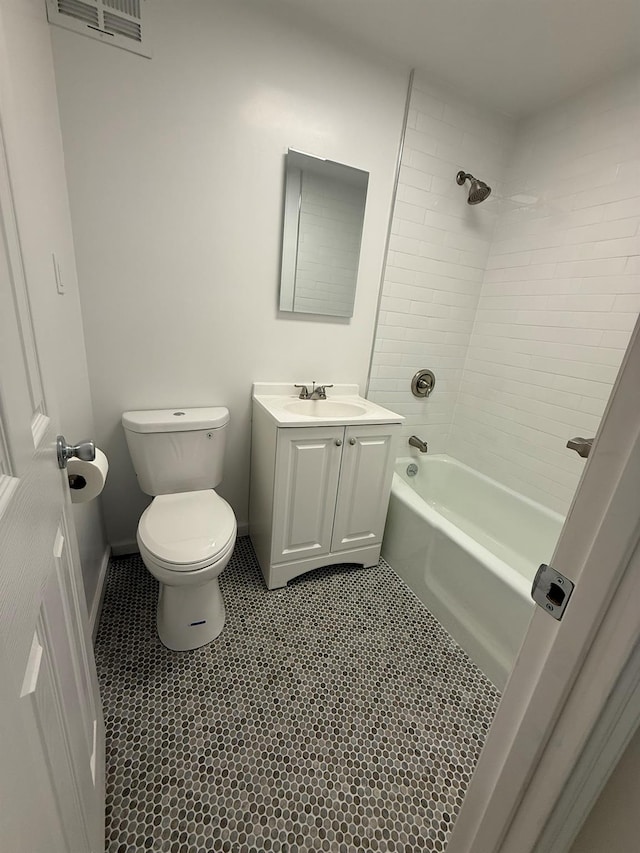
(522, 305)
(333, 715)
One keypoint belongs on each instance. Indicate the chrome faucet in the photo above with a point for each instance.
(414, 441)
(317, 393)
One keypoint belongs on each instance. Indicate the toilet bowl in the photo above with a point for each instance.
(185, 541)
(187, 534)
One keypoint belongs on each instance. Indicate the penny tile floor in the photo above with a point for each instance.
(336, 714)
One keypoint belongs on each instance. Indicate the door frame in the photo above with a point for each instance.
(567, 709)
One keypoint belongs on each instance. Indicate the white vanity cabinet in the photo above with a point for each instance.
(319, 494)
(307, 473)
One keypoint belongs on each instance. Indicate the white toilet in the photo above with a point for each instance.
(187, 534)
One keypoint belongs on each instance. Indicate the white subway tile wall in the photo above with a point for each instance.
(437, 256)
(559, 296)
(329, 235)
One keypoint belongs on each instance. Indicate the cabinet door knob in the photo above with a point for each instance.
(338, 442)
(352, 441)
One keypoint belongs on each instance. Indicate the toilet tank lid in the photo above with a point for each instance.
(176, 420)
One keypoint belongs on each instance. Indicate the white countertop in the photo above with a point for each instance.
(281, 401)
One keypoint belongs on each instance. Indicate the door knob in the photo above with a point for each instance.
(352, 441)
(338, 442)
(85, 450)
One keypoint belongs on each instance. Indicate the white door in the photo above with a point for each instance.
(573, 679)
(306, 482)
(365, 479)
(51, 728)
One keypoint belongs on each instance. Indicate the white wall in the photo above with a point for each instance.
(437, 255)
(561, 294)
(34, 151)
(613, 823)
(176, 170)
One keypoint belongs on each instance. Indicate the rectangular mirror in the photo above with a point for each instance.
(323, 217)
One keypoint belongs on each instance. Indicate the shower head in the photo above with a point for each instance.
(478, 190)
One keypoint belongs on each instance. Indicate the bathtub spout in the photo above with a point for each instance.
(414, 441)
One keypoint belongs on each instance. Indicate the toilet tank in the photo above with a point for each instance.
(177, 450)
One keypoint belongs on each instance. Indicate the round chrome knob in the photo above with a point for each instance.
(338, 442)
(352, 441)
(85, 450)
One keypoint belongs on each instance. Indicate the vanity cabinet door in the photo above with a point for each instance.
(365, 483)
(306, 483)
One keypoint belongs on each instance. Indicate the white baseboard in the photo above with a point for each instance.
(98, 596)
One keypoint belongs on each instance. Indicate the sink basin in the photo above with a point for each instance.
(325, 409)
(345, 407)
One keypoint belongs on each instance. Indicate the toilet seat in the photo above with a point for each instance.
(180, 575)
(187, 531)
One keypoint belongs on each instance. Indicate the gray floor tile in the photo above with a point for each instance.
(336, 714)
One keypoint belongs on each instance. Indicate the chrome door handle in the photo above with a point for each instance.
(338, 442)
(582, 446)
(85, 450)
(352, 441)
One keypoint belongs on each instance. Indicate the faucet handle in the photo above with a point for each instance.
(321, 390)
(304, 393)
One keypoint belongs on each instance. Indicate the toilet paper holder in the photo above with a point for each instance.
(85, 450)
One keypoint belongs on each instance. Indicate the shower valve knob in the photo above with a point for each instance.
(423, 383)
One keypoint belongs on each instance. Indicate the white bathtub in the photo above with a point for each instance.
(469, 548)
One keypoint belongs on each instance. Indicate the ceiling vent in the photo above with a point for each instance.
(116, 22)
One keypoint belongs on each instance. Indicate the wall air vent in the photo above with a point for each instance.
(115, 22)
